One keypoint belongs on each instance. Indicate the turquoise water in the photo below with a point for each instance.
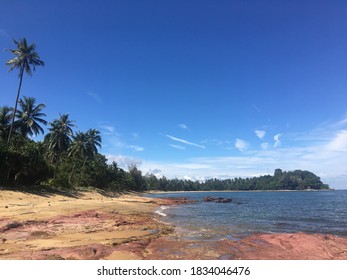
(267, 212)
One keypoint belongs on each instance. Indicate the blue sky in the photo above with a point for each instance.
(193, 89)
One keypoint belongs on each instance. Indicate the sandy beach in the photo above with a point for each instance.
(92, 225)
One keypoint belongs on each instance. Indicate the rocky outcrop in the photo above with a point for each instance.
(174, 201)
(217, 199)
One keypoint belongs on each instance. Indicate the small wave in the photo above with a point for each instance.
(160, 211)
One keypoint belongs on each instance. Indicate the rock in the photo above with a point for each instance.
(10, 226)
(217, 199)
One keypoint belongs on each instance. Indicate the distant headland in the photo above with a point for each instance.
(281, 180)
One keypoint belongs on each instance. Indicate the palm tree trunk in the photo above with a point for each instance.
(15, 107)
(73, 169)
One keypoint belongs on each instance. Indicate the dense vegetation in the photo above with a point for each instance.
(67, 158)
(281, 180)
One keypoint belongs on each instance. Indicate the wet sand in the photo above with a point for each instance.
(98, 226)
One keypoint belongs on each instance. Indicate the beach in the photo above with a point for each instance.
(96, 225)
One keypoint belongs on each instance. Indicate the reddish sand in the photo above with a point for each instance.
(95, 226)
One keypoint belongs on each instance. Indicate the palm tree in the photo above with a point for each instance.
(5, 118)
(84, 145)
(94, 141)
(29, 116)
(78, 148)
(59, 137)
(26, 59)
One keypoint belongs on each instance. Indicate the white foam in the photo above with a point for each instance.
(160, 211)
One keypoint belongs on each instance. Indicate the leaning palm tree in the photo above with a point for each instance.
(5, 119)
(29, 116)
(59, 138)
(26, 59)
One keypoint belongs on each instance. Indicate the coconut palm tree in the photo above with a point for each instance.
(84, 145)
(94, 141)
(59, 138)
(29, 116)
(26, 59)
(5, 119)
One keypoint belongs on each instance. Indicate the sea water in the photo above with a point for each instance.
(257, 212)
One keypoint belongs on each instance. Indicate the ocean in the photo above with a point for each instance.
(322, 212)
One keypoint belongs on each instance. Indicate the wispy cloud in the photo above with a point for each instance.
(241, 145)
(178, 147)
(95, 96)
(277, 140)
(183, 126)
(185, 141)
(114, 141)
(260, 133)
(135, 148)
(108, 129)
(256, 107)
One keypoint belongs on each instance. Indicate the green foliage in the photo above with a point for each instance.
(25, 57)
(5, 119)
(282, 180)
(58, 140)
(29, 117)
(23, 162)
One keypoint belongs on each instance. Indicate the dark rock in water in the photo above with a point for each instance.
(176, 200)
(217, 199)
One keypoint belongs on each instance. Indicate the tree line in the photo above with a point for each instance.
(281, 180)
(68, 158)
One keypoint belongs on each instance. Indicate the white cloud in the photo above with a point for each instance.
(185, 141)
(260, 133)
(277, 140)
(264, 145)
(123, 161)
(113, 140)
(135, 148)
(109, 129)
(339, 142)
(242, 145)
(183, 126)
(178, 147)
(156, 172)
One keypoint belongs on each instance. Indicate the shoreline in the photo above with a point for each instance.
(95, 226)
